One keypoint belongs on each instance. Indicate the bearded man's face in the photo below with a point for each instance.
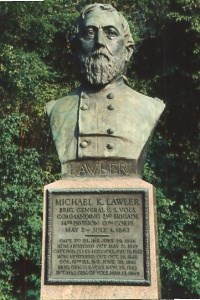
(103, 53)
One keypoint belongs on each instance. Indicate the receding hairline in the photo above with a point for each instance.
(91, 7)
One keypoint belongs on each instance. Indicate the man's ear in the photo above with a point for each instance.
(129, 52)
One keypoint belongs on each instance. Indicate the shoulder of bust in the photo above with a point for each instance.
(61, 103)
(142, 99)
(140, 95)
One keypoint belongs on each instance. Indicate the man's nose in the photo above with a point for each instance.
(101, 38)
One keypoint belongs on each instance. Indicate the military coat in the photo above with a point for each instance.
(114, 121)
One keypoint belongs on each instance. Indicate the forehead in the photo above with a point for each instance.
(103, 18)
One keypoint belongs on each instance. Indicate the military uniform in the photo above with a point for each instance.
(115, 121)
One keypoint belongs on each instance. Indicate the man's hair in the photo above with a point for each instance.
(125, 27)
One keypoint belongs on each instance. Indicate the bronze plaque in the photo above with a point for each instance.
(97, 237)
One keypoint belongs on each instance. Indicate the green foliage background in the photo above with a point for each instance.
(35, 67)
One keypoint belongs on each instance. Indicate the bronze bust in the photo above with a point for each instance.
(103, 118)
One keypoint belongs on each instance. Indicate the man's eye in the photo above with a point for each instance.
(111, 32)
(90, 32)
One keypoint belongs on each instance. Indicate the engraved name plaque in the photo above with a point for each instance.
(97, 237)
(102, 168)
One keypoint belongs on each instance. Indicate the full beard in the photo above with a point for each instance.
(100, 68)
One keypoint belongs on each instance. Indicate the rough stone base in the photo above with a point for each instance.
(72, 292)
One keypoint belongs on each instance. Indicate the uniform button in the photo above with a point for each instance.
(84, 96)
(110, 96)
(110, 131)
(84, 144)
(110, 146)
(111, 107)
(84, 107)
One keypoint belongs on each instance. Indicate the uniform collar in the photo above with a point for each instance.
(112, 85)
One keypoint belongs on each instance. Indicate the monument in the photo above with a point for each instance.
(99, 234)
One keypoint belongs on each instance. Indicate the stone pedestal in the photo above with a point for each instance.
(118, 258)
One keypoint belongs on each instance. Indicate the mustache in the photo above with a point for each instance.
(101, 52)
